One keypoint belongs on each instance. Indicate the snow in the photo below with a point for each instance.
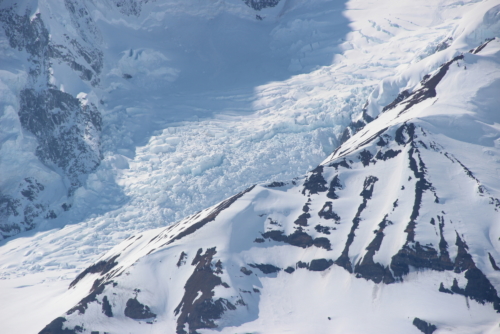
(218, 101)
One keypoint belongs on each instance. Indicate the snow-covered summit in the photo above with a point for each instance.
(398, 226)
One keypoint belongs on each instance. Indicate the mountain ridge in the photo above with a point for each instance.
(145, 112)
(384, 210)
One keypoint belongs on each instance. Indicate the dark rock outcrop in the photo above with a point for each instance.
(137, 311)
(322, 229)
(315, 183)
(298, 238)
(424, 326)
(106, 307)
(197, 308)
(493, 263)
(354, 127)
(401, 97)
(334, 186)
(266, 268)
(101, 267)
(426, 91)
(367, 268)
(320, 264)
(245, 271)
(57, 327)
(418, 256)
(63, 127)
(367, 192)
(211, 217)
(327, 212)
(261, 4)
(182, 259)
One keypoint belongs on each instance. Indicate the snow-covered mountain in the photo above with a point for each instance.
(118, 117)
(50, 138)
(395, 232)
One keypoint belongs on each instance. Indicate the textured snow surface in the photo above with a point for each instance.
(201, 100)
(399, 224)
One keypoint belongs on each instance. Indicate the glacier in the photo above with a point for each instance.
(399, 223)
(233, 96)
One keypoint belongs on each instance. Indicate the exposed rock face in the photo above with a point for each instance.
(32, 35)
(130, 7)
(56, 327)
(63, 127)
(135, 310)
(266, 268)
(198, 309)
(18, 212)
(354, 127)
(67, 129)
(367, 192)
(428, 85)
(101, 267)
(366, 267)
(108, 310)
(424, 326)
(260, 4)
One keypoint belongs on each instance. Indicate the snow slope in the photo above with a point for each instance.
(399, 224)
(268, 99)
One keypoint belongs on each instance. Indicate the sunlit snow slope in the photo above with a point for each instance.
(399, 226)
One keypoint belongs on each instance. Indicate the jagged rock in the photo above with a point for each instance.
(261, 4)
(101, 267)
(137, 311)
(298, 238)
(424, 326)
(266, 268)
(182, 259)
(57, 327)
(367, 192)
(62, 126)
(200, 311)
(315, 182)
(245, 271)
(320, 264)
(106, 307)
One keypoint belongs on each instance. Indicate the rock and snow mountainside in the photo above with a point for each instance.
(395, 232)
(95, 95)
(68, 79)
(119, 116)
(50, 139)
